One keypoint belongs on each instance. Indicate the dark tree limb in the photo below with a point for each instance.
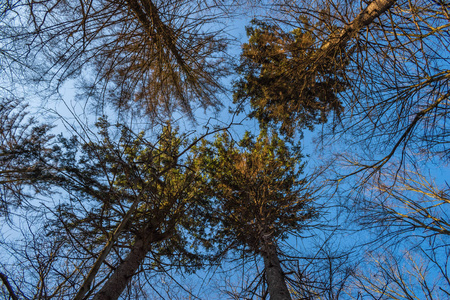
(5, 281)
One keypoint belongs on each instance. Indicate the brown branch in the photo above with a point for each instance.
(93, 272)
(419, 116)
(5, 281)
(155, 28)
(363, 19)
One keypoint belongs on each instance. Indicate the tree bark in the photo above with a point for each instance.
(375, 9)
(93, 272)
(115, 285)
(5, 281)
(278, 289)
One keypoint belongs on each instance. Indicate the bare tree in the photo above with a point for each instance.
(162, 55)
(381, 68)
(409, 202)
(405, 215)
(417, 273)
(398, 91)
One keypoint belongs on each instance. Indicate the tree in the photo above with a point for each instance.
(415, 273)
(160, 193)
(400, 88)
(259, 197)
(134, 207)
(12, 63)
(131, 204)
(273, 79)
(157, 54)
(395, 110)
(394, 106)
(410, 213)
(24, 144)
(396, 74)
(296, 78)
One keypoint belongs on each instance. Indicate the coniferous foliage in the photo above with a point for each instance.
(130, 201)
(258, 195)
(257, 183)
(281, 81)
(125, 207)
(24, 143)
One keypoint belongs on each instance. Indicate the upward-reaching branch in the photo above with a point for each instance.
(374, 10)
(290, 81)
(104, 253)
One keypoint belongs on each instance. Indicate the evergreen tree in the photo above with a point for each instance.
(258, 195)
(282, 85)
(133, 205)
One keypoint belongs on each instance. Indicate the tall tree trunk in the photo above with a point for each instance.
(278, 289)
(93, 272)
(115, 285)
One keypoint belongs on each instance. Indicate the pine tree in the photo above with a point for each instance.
(259, 197)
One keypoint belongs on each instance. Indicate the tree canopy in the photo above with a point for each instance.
(281, 84)
(260, 197)
(325, 179)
